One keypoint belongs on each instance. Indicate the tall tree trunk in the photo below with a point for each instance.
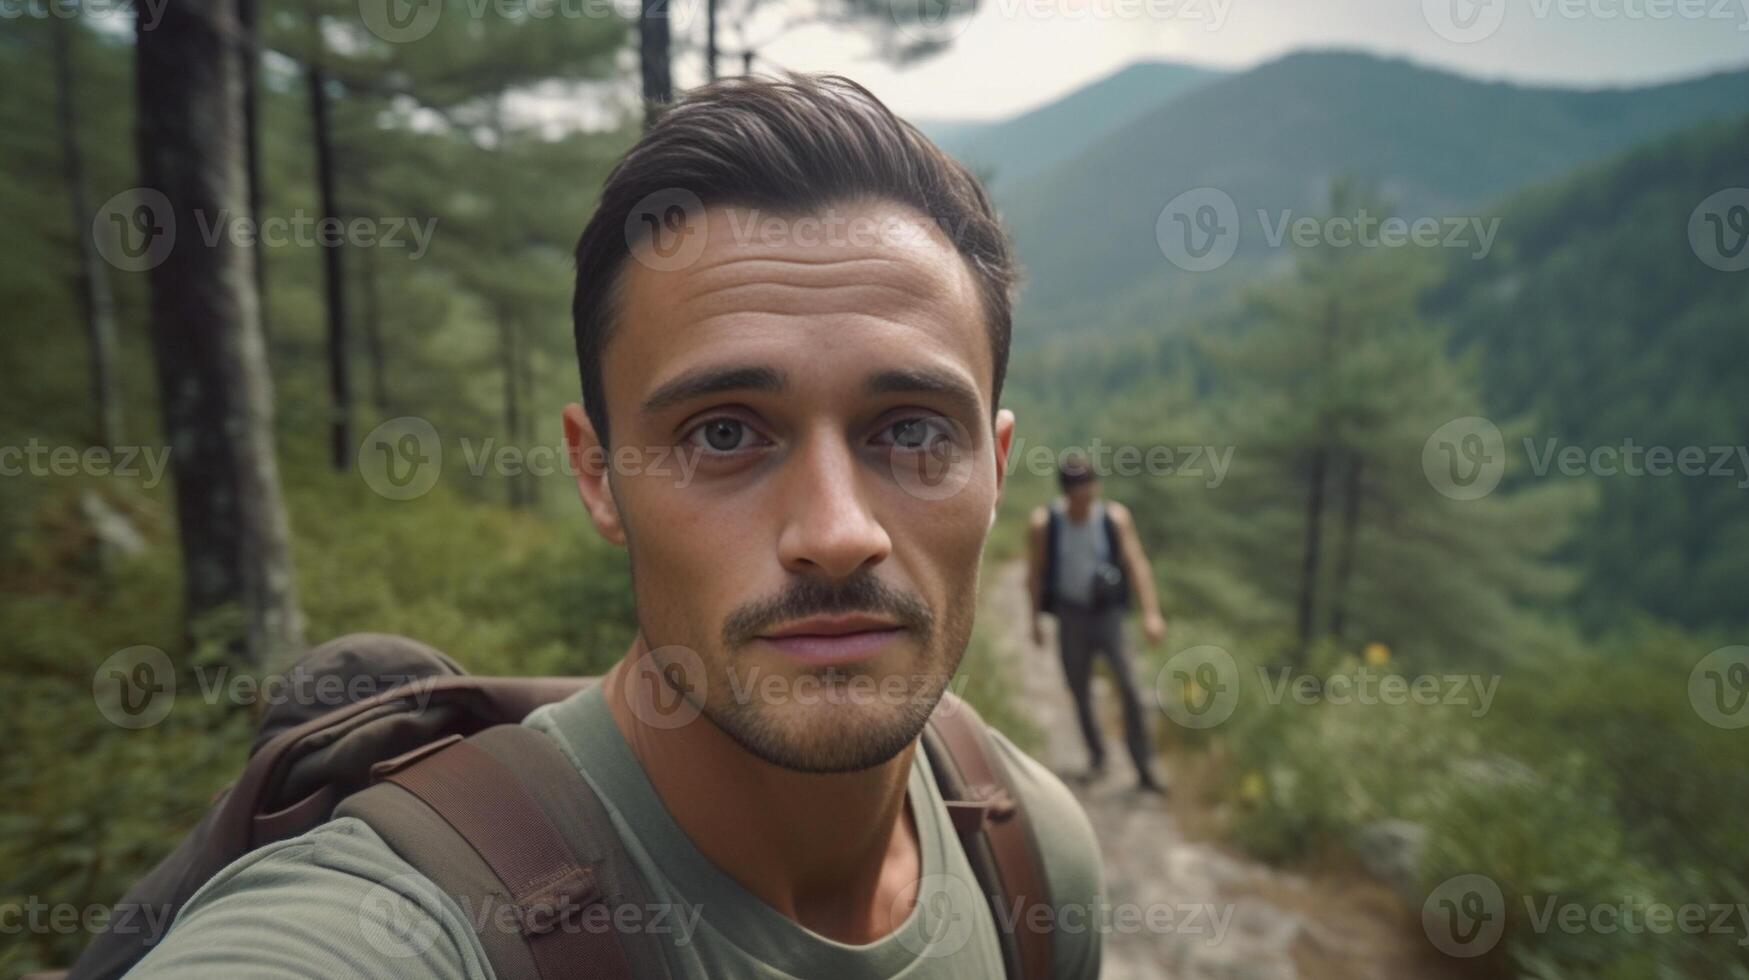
(525, 370)
(653, 31)
(1345, 548)
(215, 392)
(373, 333)
(91, 280)
(247, 15)
(1316, 478)
(710, 40)
(333, 258)
(507, 359)
(1309, 562)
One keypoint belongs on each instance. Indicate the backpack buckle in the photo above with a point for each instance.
(388, 767)
(558, 902)
(988, 804)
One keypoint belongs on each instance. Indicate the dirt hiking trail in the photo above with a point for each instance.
(1232, 918)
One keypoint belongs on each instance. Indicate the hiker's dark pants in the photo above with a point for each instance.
(1083, 635)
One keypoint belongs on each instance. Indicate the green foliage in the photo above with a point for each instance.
(95, 805)
(1591, 782)
(1594, 314)
(1538, 794)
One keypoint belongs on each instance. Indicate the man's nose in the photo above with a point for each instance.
(828, 527)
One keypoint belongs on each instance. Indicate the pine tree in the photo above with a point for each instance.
(1329, 393)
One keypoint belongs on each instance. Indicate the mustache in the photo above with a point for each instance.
(863, 593)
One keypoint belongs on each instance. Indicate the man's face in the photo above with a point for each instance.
(834, 390)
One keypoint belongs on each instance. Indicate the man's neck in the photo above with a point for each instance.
(1079, 515)
(837, 852)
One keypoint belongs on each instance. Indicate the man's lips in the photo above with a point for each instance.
(834, 639)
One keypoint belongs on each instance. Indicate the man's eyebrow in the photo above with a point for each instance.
(714, 380)
(928, 380)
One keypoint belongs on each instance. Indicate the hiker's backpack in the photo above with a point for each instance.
(443, 756)
(1111, 587)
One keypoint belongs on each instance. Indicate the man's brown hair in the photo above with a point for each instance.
(794, 145)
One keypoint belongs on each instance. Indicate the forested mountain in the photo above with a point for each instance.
(1597, 315)
(1015, 149)
(1275, 138)
(1592, 317)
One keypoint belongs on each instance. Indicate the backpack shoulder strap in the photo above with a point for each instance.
(1048, 600)
(994, 828)
(482, 818)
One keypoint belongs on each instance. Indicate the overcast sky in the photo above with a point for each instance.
(1015, 54)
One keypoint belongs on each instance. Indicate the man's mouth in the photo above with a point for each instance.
(834, 639)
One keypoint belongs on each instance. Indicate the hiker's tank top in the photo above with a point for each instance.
(1080, 547)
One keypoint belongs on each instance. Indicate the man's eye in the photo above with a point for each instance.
(720, 435)
(918, 433)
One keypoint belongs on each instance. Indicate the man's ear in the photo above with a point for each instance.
(1003, 442)
(589, 461)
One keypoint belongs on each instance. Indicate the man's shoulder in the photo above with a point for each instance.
(1070, 849)
(1065, 834)
(1118, 512)
(328, 900)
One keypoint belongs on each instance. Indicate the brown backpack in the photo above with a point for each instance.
(444, 756)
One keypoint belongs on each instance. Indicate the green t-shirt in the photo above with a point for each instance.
(338, 901)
